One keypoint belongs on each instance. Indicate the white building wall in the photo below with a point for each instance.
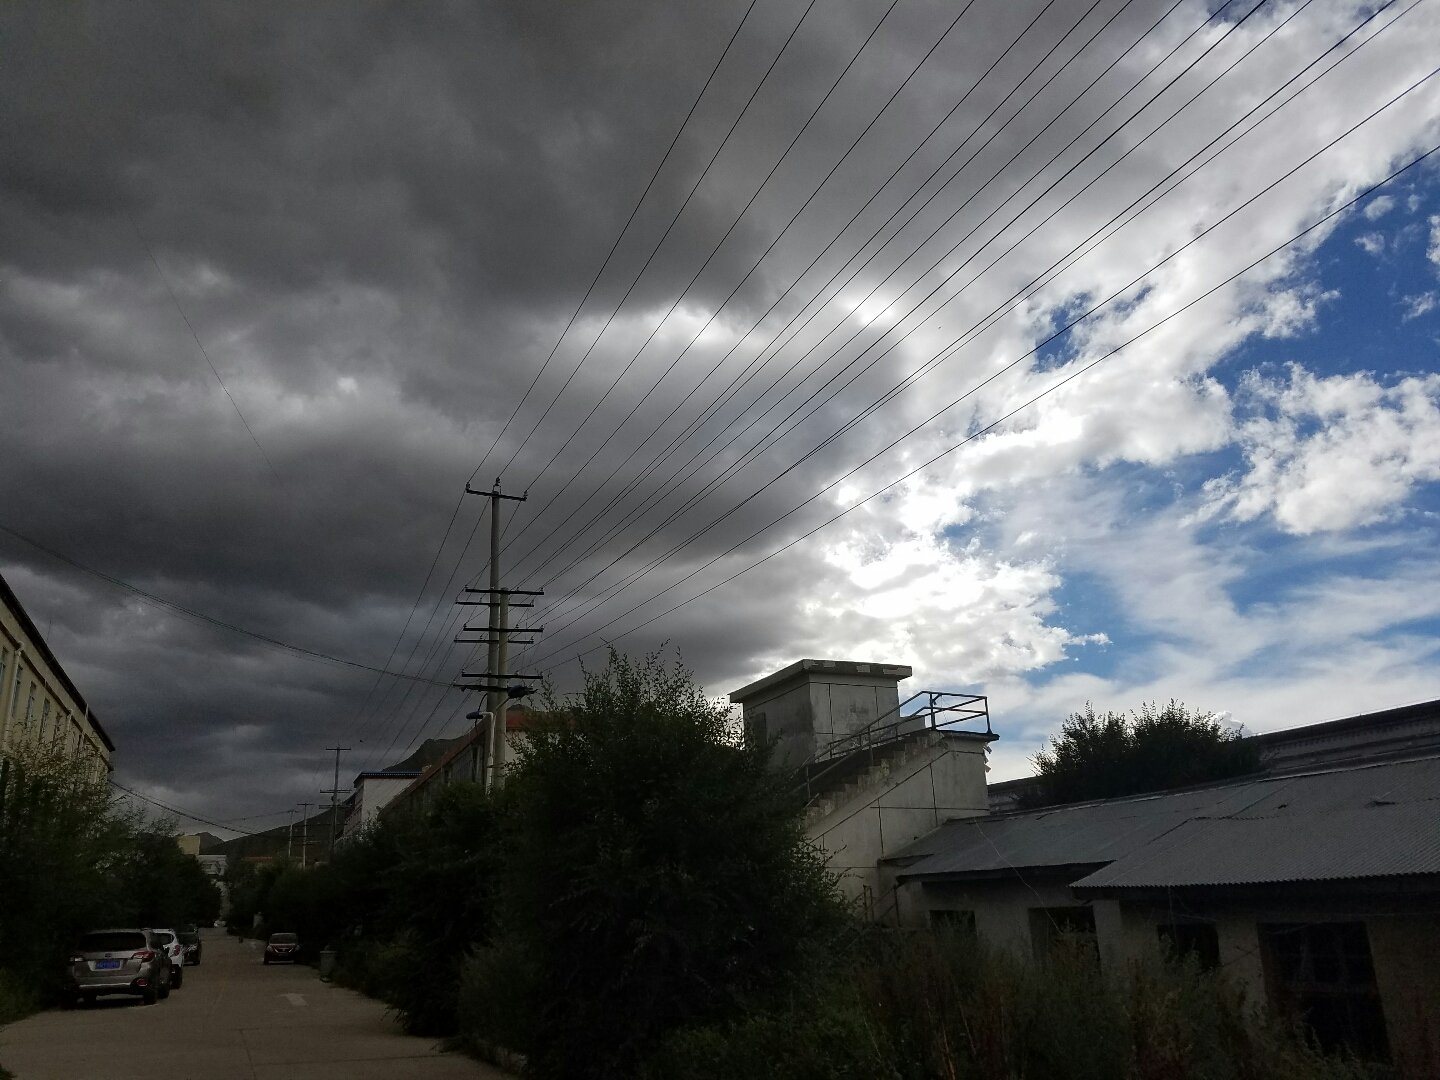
(371, 796)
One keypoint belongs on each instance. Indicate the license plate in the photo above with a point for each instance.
(107, 965)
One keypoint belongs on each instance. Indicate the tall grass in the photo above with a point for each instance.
(926, 1007)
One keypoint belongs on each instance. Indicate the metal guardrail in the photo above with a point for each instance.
(936, 711)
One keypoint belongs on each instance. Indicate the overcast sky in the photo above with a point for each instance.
(1120, 407)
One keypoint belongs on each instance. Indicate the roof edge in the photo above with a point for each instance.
(885, 672)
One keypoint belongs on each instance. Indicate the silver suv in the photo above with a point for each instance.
(120, 962)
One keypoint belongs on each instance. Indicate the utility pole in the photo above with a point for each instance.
(333, 792)
(305, 832)
(496, 682)
(290, 835)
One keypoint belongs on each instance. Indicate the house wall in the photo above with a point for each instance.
(902, 798)
(1404, 945)
(1001, 906)
(36, 701)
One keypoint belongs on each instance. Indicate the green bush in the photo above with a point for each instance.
(17, 999)
(655, 874)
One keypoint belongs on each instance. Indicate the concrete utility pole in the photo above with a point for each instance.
(496, 680)
(290, 834)
(305, 833)
(333, 792)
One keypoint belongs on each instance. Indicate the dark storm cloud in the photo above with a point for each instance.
(378, 218)
(409, 197)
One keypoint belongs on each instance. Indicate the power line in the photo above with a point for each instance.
(745, 377)
(789, 224)
(1068, 378)
(635, 210)
(654, 176)
(174, 608)
(760, 447)
(144, 243)
(685, 291)
(664, 236)
(194, 817)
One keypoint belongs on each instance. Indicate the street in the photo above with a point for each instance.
(233, 1019)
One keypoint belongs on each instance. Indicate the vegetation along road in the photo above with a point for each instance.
(233, 1019)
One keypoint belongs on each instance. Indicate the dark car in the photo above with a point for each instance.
(282, 947)
(119, 962)
(190, 939)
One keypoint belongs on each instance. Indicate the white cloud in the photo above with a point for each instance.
(1423, 304)
(1332, 453)
(1433, 251)
(1378, 207)
(1371, 243)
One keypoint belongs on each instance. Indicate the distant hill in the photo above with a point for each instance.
(429, 752)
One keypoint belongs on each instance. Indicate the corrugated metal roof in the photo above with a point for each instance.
(1375, 820)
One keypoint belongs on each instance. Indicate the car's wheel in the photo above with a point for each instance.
(149, 996)
(164, 992)
(266, 960)
(177, 978)
(87, 1001)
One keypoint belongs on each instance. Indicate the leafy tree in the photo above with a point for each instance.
(656, 872)
(160, 885)
(63, 839)
(1154, 748)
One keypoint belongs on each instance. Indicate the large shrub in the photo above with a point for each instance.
(655, 871)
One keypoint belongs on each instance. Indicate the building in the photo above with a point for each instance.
(875, 772)
(1315, 885)
(373, 790)
(464, 759)
(1318, 892)
(38, 701)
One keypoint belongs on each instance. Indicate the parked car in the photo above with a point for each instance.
(119, 962)
(282, 947)
(175, 951)
(190, 939)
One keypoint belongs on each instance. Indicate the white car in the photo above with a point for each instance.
(174, 951)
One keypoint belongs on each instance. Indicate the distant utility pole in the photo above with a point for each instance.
(499, 685)
(305, 832)
(333, 792)
(290, 834)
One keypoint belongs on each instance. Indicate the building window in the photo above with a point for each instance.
(755, 730)
(1322, 976)
(44, 716)
(1196, 942)
(4, 668)
(1057, 930)
(950, 921)
(30, 705)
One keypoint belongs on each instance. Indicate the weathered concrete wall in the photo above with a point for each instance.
(911, 791)
(812, 703)
(1404, 947)
(1001, 907)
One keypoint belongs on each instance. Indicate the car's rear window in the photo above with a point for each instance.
(113, 941)
(283, 939)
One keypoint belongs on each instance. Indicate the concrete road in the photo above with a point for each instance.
(233, 1019)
